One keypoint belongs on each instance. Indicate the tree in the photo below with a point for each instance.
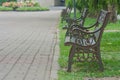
(96, 5)
(111, 5)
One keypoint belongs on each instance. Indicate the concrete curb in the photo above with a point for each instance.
(55, 65)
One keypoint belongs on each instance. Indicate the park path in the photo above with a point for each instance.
(28, 45)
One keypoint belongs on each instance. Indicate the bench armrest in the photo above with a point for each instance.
(86, 31)
(90, 26)
(84, 27)
(73, 20)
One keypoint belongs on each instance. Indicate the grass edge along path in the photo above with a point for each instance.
(23, 9)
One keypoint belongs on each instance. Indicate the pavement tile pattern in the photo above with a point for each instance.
(27, 44)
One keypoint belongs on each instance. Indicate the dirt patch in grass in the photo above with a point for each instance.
(112, 30)
(105, 78)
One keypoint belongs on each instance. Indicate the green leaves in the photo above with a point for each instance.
(1, 1)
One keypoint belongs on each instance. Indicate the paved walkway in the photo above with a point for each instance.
(28, 45)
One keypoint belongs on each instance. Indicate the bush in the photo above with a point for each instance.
(23, 6)
(36, 4)
(31, 9)
(2, 1)
(69, 3)
(5, 8)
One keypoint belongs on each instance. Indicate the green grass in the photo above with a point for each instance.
(113, 26)
(111, 42)
(31, 9)
(23, 9)
(110, 52)
(5, 8)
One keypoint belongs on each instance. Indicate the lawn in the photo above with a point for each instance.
(23, 9)
(110, 52)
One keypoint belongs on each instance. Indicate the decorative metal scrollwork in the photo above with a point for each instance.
(84, 55)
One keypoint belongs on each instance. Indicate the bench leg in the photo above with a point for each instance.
(67, 32)
(99, 60)
(100, 63)
(70, 60)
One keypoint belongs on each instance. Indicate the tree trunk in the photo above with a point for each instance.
(113, 15)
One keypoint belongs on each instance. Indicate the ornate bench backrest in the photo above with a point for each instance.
(83, 16)
(84, 13)
(66, 13)
(68, 9)
(101, 24)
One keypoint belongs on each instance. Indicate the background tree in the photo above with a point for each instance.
(112, 7)
(69, 3)
(95, 6)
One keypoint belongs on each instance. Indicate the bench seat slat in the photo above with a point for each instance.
(80, 42)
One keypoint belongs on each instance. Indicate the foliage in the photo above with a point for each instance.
(118, 3)
(5, 8)
(96, 5)
(22, 6)
(2, 1)
(31, 9)
(80, 6)
(23, 9)
(69, 3)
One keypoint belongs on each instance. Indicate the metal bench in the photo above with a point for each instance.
(86, 43)
(80, 21)
(65, 13)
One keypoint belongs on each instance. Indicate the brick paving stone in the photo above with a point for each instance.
(27, 43)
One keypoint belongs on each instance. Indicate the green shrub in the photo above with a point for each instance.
(22, 6)
(69, 3)
(5, 8)
(36, 4)
(31, 9)
(2, 1)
